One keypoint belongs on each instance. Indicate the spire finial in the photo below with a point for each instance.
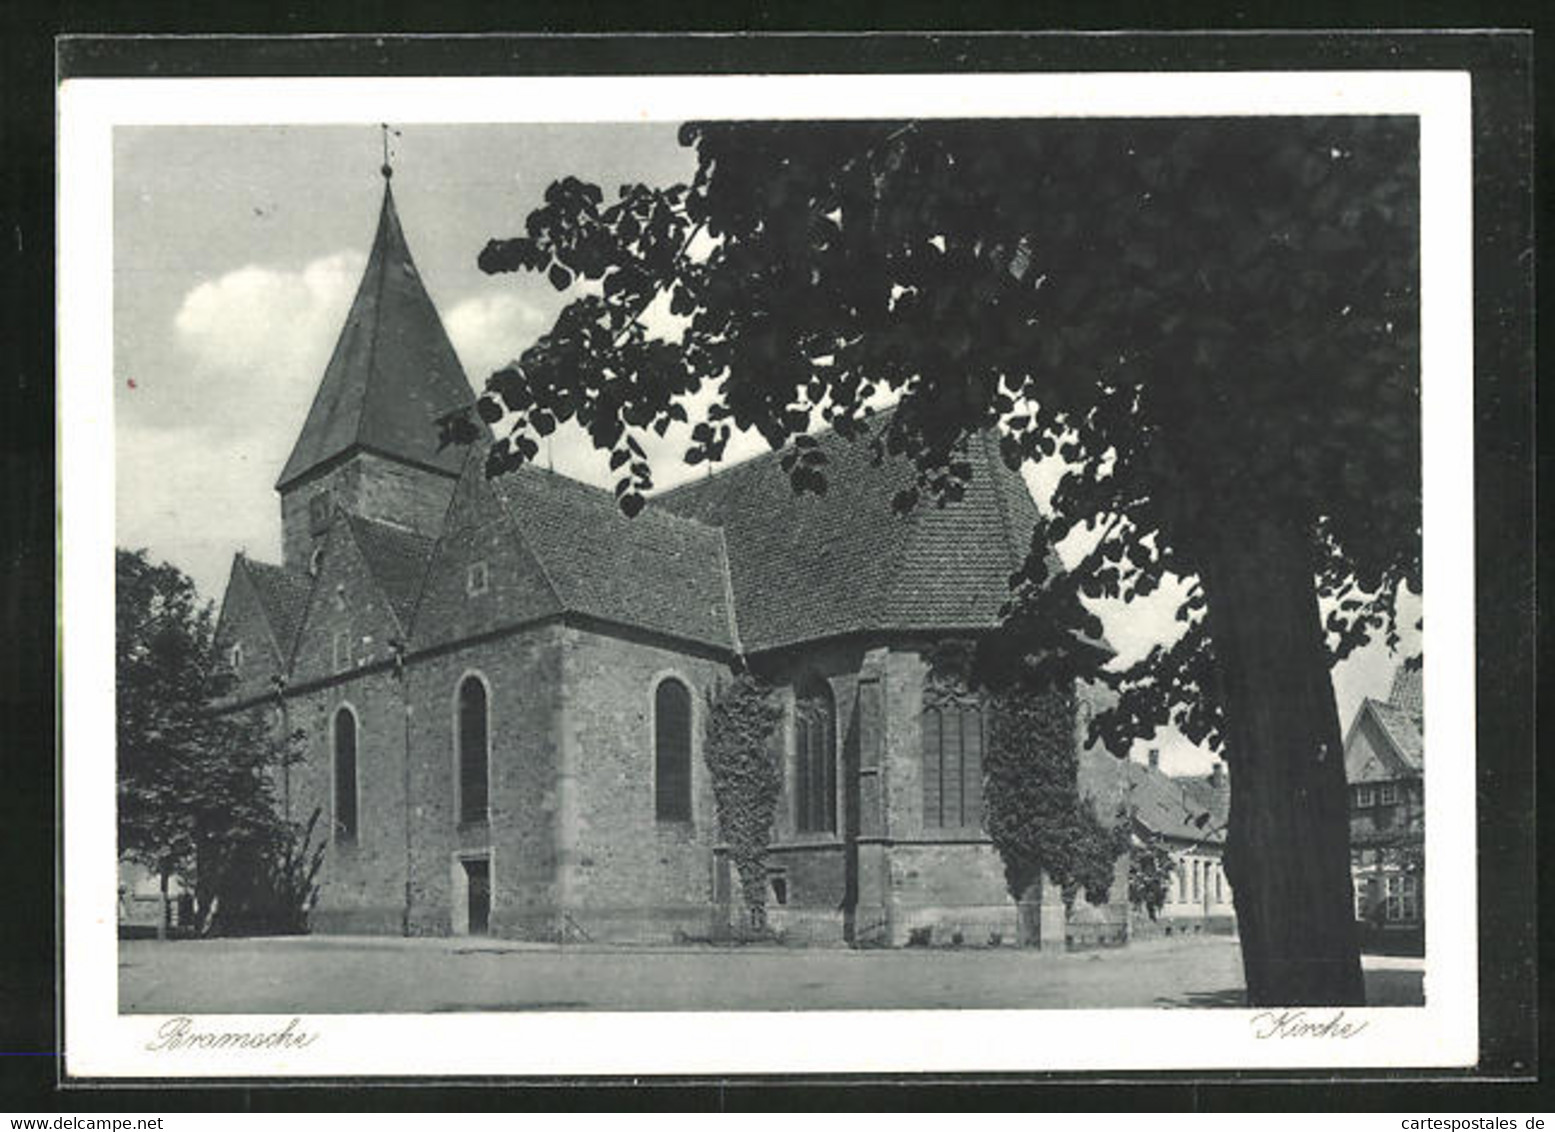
(387, 169)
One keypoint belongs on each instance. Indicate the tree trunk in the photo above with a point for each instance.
(167, 910)
(1288, 846)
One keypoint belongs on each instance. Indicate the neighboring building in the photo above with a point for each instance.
(143, 907)
(503, 683)
(1384, 763)
(1188, 815)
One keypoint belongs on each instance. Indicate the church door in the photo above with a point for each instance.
(477, 873)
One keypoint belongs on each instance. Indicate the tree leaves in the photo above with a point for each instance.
(195, 788)
(1204, 318)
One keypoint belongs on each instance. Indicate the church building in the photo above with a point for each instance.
(503, 683)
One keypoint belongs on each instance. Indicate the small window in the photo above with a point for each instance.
(672, 751)
(342, 651)
(1360, 898)
(1387, 794)
(235, 658)
(779, 884)
(1182, 881)
(320, 511)
(952, 738)
(1403, 899)
(815, 750)
(474, 750)
(345, 775)
(475, 579)
(1364, 796)
(1220, 897)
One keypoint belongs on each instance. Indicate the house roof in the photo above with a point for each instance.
(1407, 692)
(1402, 730)
(283, 596)
(658, 571)
(393, 373)
(396, 557)
(1178, 808)
(806, 566)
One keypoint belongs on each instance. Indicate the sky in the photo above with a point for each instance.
(237, 251)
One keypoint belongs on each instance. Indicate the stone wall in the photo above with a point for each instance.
(625, 875)
(371, 486)
(522, 675)
(363, 883)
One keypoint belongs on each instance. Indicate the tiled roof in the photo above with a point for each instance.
(396, 557)
(1162, 804)
(1205, 794)
(393, 372)
(1407, 692)
(657, 571)
(806, 566)
(1402, 730)
(283, 595)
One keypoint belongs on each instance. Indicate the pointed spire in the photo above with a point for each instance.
(393, 373)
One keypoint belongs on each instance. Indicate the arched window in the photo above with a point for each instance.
(672, 751)
(815, 744)
(472, 750)
(953, 766)
(345, 775)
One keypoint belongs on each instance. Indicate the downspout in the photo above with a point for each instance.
(278, 682)
(402, 677)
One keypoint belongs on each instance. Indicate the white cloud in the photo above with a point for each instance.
(257, 340)
(190, 497)
(200, 442)
(488, 331)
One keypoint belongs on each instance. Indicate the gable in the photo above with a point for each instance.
(658, 571)
(1370, 754)
(348, 603)
(244, 622)
(283, 594)
(396, 559)
(479, 532)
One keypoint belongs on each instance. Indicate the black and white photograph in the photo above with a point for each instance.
(737, 558)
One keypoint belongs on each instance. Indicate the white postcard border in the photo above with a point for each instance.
(102, 1043)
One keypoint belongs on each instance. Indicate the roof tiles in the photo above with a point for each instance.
(658, 571)
(397, 558)
(283, 595)
(393, 373)
(806, 566)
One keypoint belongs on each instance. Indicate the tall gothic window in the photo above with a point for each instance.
(345, 775)
(672, 751)
(472, 750)
(815, 744)
(953, 766)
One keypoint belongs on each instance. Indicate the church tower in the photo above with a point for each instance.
(370, 442)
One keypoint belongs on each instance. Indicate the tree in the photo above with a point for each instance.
(1033, 809)
(1212, 322)
(1151, 869)
(196, 794)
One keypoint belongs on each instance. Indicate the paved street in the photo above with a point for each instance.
(355, 974)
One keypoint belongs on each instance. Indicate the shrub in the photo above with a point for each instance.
(741, 719)
(1150, 872)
